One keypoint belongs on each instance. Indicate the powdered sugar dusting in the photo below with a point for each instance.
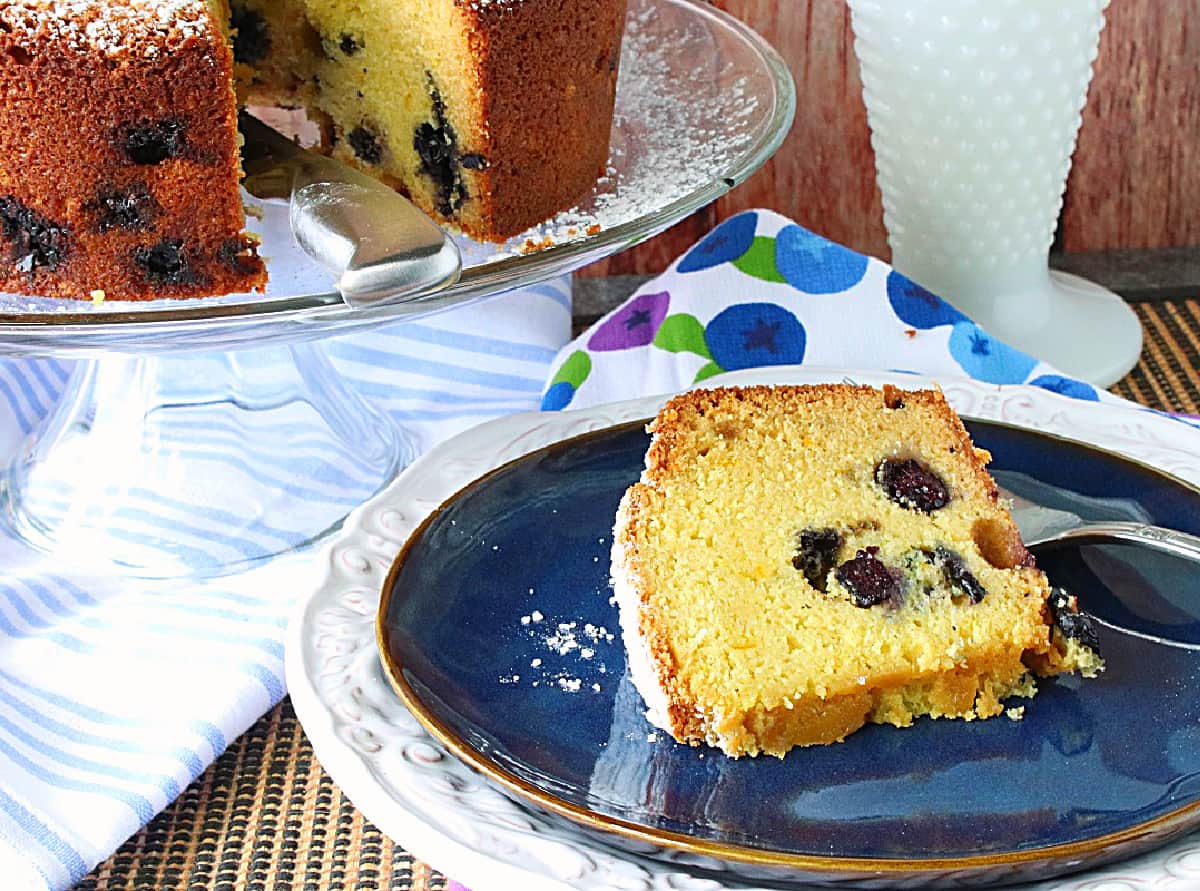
(569, 654)
(112, 28)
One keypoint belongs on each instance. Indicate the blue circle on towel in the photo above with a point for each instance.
(985, 358)
(1067, 386)
(558, 396)
(816, 265)
(749, 335)
(722, 245)
(917, 307)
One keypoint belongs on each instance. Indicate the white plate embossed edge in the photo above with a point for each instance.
(449, 816)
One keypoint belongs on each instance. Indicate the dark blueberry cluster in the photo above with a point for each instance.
(816, 554)
(166, 263)
(911, 484)
(957, 575)
(132, 208)
(252, 40)
(436, 144)
(18, 53)
(36, 242)
(869, 580)
(366, 145)
(1071, 622)
(152, 143)
(349, 45)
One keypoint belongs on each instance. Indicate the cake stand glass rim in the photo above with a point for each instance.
(307, 317)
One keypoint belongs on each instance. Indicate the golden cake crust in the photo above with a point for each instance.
(698, 427)
(548, 77)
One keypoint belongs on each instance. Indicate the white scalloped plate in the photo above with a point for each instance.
(448, 815)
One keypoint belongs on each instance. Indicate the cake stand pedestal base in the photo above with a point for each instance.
(197, 464)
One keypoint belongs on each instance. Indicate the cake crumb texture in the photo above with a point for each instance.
(798, 561)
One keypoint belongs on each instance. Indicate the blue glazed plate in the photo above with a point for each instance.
(497, 631)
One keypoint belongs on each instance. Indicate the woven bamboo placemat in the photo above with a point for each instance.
(266, 817)
(1168, 375)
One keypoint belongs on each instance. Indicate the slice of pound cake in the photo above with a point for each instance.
(119, 151)
(798, 561)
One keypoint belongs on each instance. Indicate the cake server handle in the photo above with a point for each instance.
(378, 245)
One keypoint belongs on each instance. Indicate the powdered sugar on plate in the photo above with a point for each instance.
(565, 655)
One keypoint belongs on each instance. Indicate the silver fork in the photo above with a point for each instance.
(1171, 541)
(1043, 528)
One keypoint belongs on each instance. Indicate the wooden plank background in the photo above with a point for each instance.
(1135, 181)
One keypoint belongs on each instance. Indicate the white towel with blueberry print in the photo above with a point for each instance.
(761, 290)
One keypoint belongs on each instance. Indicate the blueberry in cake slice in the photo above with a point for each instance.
(119, 151)
(275, 52)
(798, 561)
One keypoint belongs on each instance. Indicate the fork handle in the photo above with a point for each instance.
(1171, 541)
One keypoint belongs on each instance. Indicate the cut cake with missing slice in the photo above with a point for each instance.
(491, 115)
(798, 561)
(119, 164)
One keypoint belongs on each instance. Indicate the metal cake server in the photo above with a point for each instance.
(1043, 528)
(376, 243)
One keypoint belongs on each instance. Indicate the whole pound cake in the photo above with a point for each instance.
(798, 561)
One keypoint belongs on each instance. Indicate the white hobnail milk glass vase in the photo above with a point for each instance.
(974, 108)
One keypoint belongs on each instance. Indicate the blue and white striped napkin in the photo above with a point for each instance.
(115, 695)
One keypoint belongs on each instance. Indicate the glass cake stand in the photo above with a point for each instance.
(702, 102)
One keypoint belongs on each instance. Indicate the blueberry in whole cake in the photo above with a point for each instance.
(119, 151)
(798, 561)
